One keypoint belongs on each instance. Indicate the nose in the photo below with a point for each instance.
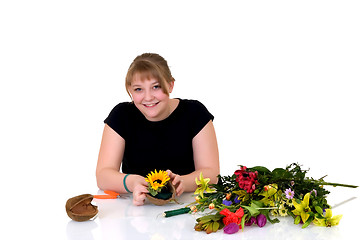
(148, 96)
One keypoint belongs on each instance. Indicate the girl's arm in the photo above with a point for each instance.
(109, 161)
(206, 160)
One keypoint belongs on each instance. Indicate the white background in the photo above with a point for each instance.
(282, 79)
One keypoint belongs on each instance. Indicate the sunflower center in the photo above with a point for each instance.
(158, 181)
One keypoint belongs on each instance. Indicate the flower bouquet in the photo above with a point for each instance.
(161, 190)
(257, 196)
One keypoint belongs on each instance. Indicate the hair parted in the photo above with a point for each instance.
(150, 65)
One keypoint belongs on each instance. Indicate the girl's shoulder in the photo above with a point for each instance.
(120, 118)
(121, 111)
(193, 105)
(123, 106)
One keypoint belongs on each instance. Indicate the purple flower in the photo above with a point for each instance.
(231, 228)
(261, 220)
(227, 203)
(250, 221)
(289, 193)
(236, 200)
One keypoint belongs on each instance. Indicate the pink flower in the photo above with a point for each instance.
(247, 180)
(261, 220)
(289, 193)
(314, 191)
(251, 221)
(231, 228)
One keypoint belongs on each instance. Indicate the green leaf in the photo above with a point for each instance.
(256, 204)
(209, 228)
(280, 173)
(152, 191)
(243, 221)
(205, 219)
(266, 213)
(309, 220)
(215, 226)
(252, 210)
(260, 169)
(216, 217)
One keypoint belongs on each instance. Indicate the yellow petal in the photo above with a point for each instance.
(319, 222)
(306, 199)
(201, 176)
(198, 182)
(295, 212)
(206, 181)
(328, 213)
(199, 191)
(304, 216)
(298, 206)
(335, 220)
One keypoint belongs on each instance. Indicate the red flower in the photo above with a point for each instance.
(231, 217)
(247, 180)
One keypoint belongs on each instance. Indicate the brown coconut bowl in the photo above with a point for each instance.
(160, 202)
(80, 209)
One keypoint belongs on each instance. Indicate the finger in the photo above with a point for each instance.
(139, 199)
(138, 203)
(176, 180)
(180, 190)
(170, 173)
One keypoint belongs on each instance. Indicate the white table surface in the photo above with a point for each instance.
(119, 219)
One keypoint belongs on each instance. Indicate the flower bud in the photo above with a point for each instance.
(261, 220)
(228, 196)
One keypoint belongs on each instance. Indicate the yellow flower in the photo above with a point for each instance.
(328, 220)
(302, 208)
(274, 212)
(202, 185)
(282, 211)
(157, 179)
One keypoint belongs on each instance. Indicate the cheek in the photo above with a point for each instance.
(160, 95)
(137, 98)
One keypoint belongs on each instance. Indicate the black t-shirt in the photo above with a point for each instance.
(161, 145)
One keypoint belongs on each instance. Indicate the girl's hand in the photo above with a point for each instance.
(139, 193)
(177, 181)
(140, 190)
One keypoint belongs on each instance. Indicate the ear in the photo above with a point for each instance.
(171, 86)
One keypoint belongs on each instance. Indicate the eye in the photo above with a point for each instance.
(157, 87)
(137, 89)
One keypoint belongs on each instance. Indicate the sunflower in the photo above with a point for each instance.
(156, 181)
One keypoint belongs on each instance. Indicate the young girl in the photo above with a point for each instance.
(155, 131)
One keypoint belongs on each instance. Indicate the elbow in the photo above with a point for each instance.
(98, 175)
(214, 179)
(213, 175)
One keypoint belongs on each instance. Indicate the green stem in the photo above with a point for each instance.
(335, 184)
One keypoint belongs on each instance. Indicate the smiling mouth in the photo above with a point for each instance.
(150, 105)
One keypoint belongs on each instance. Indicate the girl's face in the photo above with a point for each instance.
(149, 98)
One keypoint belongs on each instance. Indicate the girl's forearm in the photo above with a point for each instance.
(110, 179)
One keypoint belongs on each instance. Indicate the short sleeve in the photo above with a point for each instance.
(118, 119)
(200, 116)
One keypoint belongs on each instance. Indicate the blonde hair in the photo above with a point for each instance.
(150, 65)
